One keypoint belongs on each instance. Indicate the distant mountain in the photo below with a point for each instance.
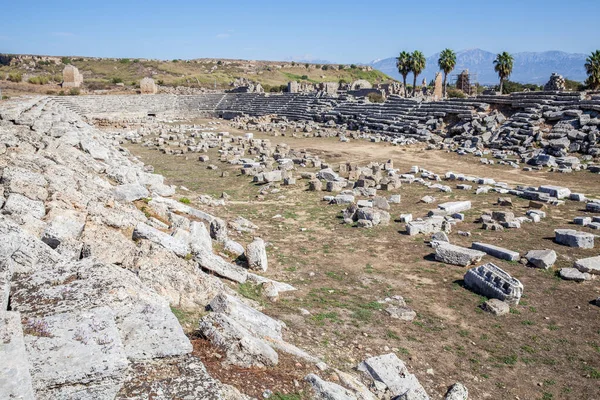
(529, 67)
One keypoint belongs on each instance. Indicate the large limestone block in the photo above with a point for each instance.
(23, 181)
(146, 325)
(75, 355)
(253, 320)
(241, 347)
(19, 205)
(496, 251)
(62, 228)
(590, 265)
(256, 253)
(457, 255)
(324, 390)
(177, 246)
(15, 379)
(131, 192)
(389, 370)
(147, 86)
(22, 250)
(573, 238)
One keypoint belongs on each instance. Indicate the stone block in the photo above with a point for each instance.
(573, 238)
(495, 251)
(491, 281)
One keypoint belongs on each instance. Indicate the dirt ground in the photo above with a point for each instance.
(548, 347)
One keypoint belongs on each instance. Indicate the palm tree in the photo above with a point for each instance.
(417, 63)
(592, 68)
(403, 62)
(447, 62)
(503, 65)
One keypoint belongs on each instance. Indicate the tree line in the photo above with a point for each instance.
(503, 65)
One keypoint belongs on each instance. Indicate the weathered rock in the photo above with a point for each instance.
(541, 258)
(390, 371)
(324, 390)
(146, 325)
(496, 307)
(76, 354)
(61, 228)
(251, 319)
(573, 238)
(15, 379)
(241, 347)
(131, 192)
(179, 247)
(456, 255)
(19, 205)
(573, 274)
(256, 253)
(458, 391)
(495, 251)
(590, 265)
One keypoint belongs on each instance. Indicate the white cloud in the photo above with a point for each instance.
(223, 35)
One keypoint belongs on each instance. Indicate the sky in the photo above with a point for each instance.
(338, 31)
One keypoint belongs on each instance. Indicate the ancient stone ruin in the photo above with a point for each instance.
(463, 82)
(555, 83)
(147, 86)
(71, 77)
(438, 89)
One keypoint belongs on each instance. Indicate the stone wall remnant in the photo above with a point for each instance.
(147, 86)
(71, 77)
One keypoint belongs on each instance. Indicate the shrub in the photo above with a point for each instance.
(304, 77)
(15, 77)
(184, 200)
(219, 62)
(5, 59)
(97, 85)
(160, 82)
(65, 60)
(325, 67)
(456, 94)
(124, 61)
(50, 92)
(38, 80)
(61, 93)
(352, 66)
(74, 92)
(116, 80)
(375, 98)
(574, 85)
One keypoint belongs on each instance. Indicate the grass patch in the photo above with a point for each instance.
(251, 291)
(185, 200)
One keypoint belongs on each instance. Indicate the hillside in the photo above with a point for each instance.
(105, 73)
(529, 67)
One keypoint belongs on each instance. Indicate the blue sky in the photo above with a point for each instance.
(339, 31)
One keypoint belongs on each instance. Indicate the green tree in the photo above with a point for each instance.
(447, 62)
(592, 68)
(503, 65)
(417, 63)
(403, 63)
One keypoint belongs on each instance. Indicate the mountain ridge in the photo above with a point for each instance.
(529, 67)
